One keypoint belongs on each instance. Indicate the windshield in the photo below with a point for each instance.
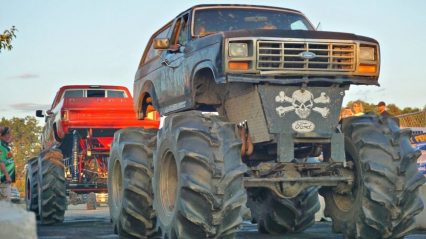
(212, 20)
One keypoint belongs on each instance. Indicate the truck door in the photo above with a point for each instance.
(175, 73)
(152, 67)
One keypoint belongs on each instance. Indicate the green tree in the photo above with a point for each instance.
(408, 110)
(6, 38)
(25, 144)
(393, 109)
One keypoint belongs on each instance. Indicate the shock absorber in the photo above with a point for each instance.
(74, 171)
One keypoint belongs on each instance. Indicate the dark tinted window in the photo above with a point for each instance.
(96, 93)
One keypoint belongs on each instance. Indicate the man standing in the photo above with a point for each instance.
(7, 165)
(381, 107)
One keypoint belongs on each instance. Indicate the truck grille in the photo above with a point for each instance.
(326, 57)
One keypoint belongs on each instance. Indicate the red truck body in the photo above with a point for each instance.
(91, 111)
(81, 123)
(99, 113)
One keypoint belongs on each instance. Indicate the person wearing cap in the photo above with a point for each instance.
(381, 107)
(7, 164)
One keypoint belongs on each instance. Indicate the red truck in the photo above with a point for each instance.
(76, 141)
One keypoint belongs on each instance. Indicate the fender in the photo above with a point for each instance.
(206, 64)
(58, 133)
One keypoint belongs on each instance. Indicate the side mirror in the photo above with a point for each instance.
(39, 113)
(161, 43)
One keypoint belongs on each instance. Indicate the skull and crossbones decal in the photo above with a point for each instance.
(302, 103)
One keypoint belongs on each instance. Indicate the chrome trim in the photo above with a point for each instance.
(286, 56)
(346, 65)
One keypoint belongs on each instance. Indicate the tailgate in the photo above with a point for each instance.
(100, 112)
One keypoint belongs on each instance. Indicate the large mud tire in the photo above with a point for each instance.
(31, 185)
(129, 183)
(198, 177)
(275, 215)
(52, 201)
(384, 198)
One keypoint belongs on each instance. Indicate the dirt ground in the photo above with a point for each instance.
(82, 223)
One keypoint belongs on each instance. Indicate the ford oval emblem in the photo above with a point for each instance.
(303, 126)
(307, 55)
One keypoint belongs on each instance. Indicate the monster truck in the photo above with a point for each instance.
(75, 143)
(275, 87)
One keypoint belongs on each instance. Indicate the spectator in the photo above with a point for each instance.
(357, 108)
(381, 107)
(7, 165)
(346, 112)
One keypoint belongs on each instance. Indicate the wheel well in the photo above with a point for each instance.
(55, 133)
(146, 102)
(66, 145)
(205, 91)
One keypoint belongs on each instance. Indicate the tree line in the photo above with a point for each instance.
(25, 144)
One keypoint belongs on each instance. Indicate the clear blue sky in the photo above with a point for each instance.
(101, 42)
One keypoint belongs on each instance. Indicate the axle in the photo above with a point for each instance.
(289, 179)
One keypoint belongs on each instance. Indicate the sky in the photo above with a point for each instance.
(101, 42)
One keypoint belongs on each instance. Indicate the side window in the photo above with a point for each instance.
(68, 94)
(176, 31)
(151, 51)
(73, 93)
(181, 31)
(298, 25)
(184, 31)
(115, 94)
(164, 33)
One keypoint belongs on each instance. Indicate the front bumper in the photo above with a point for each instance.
(291, 80)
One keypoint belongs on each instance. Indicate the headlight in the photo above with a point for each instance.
(238, 50)
(367, 53)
